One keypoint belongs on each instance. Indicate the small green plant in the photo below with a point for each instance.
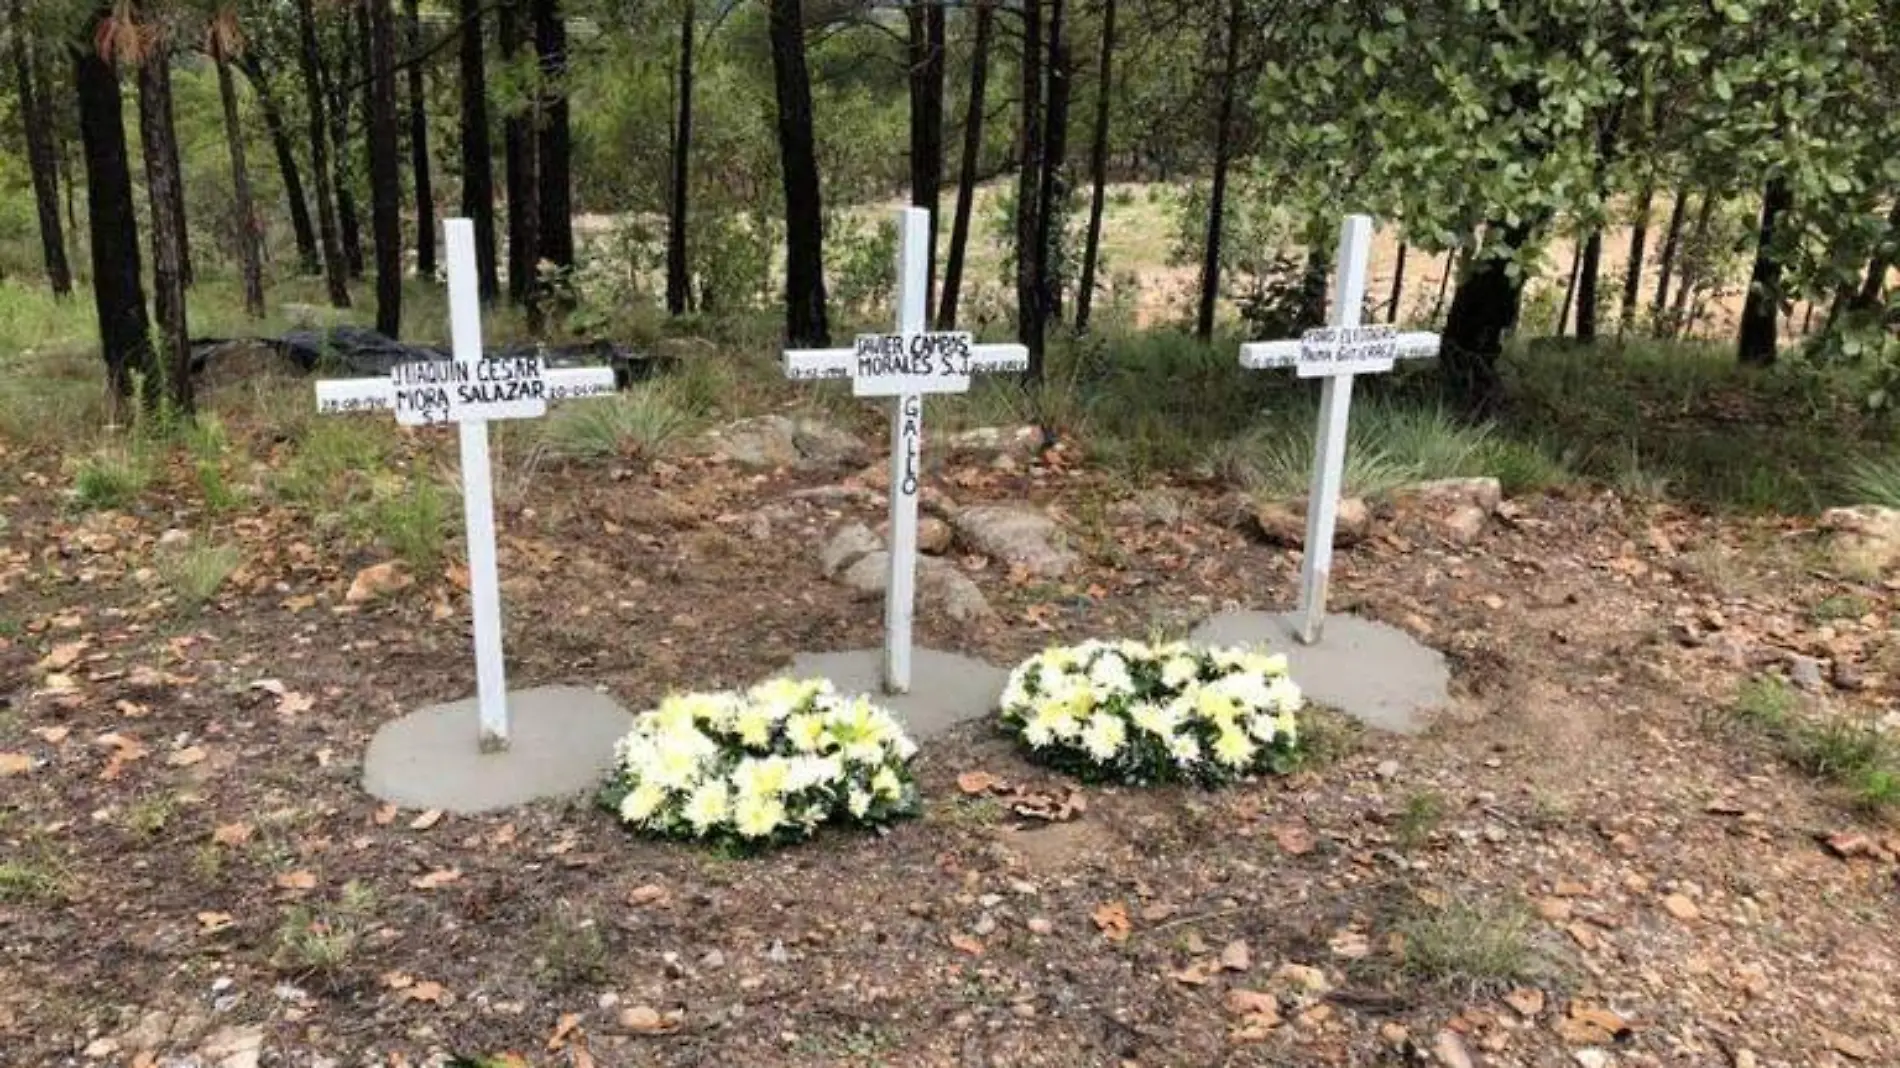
(26, 881)
(413, 521)
(151, 814)
(1765, 702)
(572, 949)
(321, 939)
(1423, 813)
(642, 423)
(112, 477)
(194, 572)
(1481, 947)
(330, 461)
(1873, 480)
(1841, 606)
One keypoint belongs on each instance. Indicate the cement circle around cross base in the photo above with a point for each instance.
(561, 745)
(1373, 672)
(946, 689)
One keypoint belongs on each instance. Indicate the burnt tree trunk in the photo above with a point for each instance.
(1570, 291)
(419, 167)
(1589, 268)
(1666, 259)
(967, 170)
(1444, 282)
(924, 49)
(385, 168)
(1482, 309)
(335, 263)
(1029, 311)
(554, 150)
(1639, 240)
(117, 293)
(1881, 262)
(1398, 287)
(250, 250)
(805, 314)
(478, 168)
(1098, 170)
(162, 185)
(678, 269)
(36, 118)
(1761, 309)
(1217, 195)
(518, 148)
(1679, 317)
(309, 257)
(1054, 191)
(338, 82)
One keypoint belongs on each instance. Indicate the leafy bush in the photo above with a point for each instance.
(764, 767)
(1137, 713)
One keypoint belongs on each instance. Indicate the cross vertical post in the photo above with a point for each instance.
(1329, 462)
(478, 497)
(907, 416)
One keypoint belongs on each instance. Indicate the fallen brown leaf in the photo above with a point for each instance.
(648, 894)
(15, 764)
(1236, 957)
(1193, 975)
(562, 1028)
(967, 943)
(52, 735)
(643, 1020)
(297, 880)
(385, 815)
(213, 922)
(231, 834)
(1293, 839)
(1528, 1001)
(185, 758)
(1111, 918)
(978, 782)
(436, 879)
(428, 990)
(62, 656)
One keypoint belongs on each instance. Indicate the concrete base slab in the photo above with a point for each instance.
(946, 689)
(562, 745)
(1377, 674)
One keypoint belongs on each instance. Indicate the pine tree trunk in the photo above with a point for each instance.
(478, 167)
(338, 82)
(1029, 311)
(1054, 191)
(1314, 274)
(1217, 196)
(924, 46)
(1398, 287)
(1444, 283)
(41, 159)
(678, 270)
(1881, 262)
(385, 168)
(309, 256)
(524, 203)
(1482, 309)
(250, 254)
(1666, 260)
(1570, 292)
(1588, 271)
(1762, 307)
(335, 263)
(1679, 319)
(1098, 170)
(972, 157)
(419, 166)
(117, 293)
(554, 150)
(162, 179)
(1633, 277)
(805, 313)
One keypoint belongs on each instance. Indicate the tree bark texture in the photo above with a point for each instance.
(554, 149)
(1761, 309)
(385, 168)
(1098, 170)
(805, 312)
(924, 50)
(309, 254)
(162, 185)
(478, 168)
(1666, 259)
(1639, 239)
(967, 170)
(1029, 311)
(518, 148)
(250, 244)
(678, 267)
(1054, 186)
(1482, 309)
(42, 161)
(419, 165)
(117, 292)
(335, 263)
(1217, 195)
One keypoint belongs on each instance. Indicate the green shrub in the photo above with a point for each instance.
(194, 572)
(412, 519)
(112, 477)
(641, 423)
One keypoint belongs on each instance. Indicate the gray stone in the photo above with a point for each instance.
(781, 441)
(1021, 441)
(1805, 671)
(562, 744)
(941, 587)
(851, 543)
(946, 689)
(1865, 539)
(933, 535)
(1018, 535)
(1376, 673)
(1284, 522)
(235, 1047)
(1463, 525)
(1153, 507)
(1449, 493)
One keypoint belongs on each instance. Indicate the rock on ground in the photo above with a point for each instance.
(933, 534)
(783, 441)
(1456, 509)
(851, 543)
(378, 580)
(1284, 522)
(1018, 535)
(940, 586)
(1022, 442)
(1866, 538)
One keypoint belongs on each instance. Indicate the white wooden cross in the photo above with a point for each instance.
(1334, 354)
(904, 366)
(469, 390)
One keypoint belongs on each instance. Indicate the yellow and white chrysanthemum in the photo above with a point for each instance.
(1234, 749)
(761, 776)
(642, 802)
(1185, 749)
(757, 816)
(708, 806)
(1103, 737)
(886, 785)
(1284, 696)
(806, 732)
(1179, 670)
(1109, 675)
(1156, 719)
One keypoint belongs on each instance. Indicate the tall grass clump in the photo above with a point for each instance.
(641, 423)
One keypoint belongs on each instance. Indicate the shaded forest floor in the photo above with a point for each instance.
(1627, 842)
